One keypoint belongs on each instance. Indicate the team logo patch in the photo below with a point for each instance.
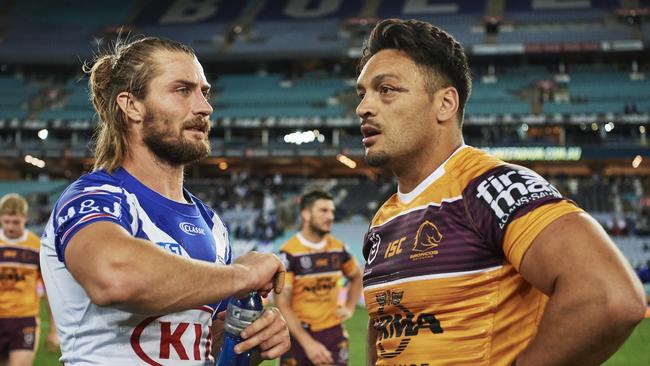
(336, 261)
(29, 336)
(305, 262)
(375, 241)
(426, 241)
(191, 229)
(505, 192)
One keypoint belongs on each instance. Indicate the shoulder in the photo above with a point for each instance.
(292, 245)
(97, 182)
(470, 163)
(503, 180)
(335, 244)
(32, 241)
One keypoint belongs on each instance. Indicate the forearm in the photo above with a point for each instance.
(140, 277)
(372, 347)
(188, 283)
(354, 291)
(579, 327)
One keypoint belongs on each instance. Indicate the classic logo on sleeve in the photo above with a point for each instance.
(506, 191)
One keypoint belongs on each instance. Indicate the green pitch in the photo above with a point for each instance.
(635, 352)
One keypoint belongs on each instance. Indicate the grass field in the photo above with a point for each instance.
(635, 352)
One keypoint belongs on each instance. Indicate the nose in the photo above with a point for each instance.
(365, 107)
(202, 105)
(330, 215)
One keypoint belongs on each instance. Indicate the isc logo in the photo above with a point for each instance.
(394, 247)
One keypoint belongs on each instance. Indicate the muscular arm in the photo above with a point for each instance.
(118, 270)
(595, 299)
(372, 344)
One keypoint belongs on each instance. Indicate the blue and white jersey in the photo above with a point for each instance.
(107, 336)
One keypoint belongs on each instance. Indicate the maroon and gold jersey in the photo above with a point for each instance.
(19, 273)
(441, 280)
(313, 271)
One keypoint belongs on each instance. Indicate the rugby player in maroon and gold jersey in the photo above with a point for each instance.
(19, 277)
(473, 261)
(316, 261)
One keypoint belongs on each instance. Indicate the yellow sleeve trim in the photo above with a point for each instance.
(521, 232)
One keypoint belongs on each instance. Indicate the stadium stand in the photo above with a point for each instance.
(564, 75)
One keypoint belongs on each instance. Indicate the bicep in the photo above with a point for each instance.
(87, 251)
(573, 246)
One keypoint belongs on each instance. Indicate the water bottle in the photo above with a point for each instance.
(239, 314)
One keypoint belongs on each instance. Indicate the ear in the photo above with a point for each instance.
(131, 107)
(448, 99)
(305, 215)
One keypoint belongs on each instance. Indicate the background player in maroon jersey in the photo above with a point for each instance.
(315, 262)
(19, 275)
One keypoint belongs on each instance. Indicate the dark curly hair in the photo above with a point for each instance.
(435, 51)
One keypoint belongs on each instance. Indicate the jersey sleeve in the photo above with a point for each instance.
(510, 205)
(79, 207)
(349, 263)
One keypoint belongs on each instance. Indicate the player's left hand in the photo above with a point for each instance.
(269, 332)
(343, 312)
(52, 343)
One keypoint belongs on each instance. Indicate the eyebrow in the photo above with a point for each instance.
(192, 84)
(378, 79)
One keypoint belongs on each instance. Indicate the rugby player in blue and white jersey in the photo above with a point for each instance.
(135, 266)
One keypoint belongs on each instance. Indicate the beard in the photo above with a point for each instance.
(171, 146)
(318, 231)
(378, 159)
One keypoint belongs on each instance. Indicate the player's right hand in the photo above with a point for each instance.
(317, 353)
(262, 272)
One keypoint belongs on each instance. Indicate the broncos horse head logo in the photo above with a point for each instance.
(427, 238)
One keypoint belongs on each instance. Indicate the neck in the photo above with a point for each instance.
(311, 235)
(15, 237)
(415, 169)
(157, 175)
